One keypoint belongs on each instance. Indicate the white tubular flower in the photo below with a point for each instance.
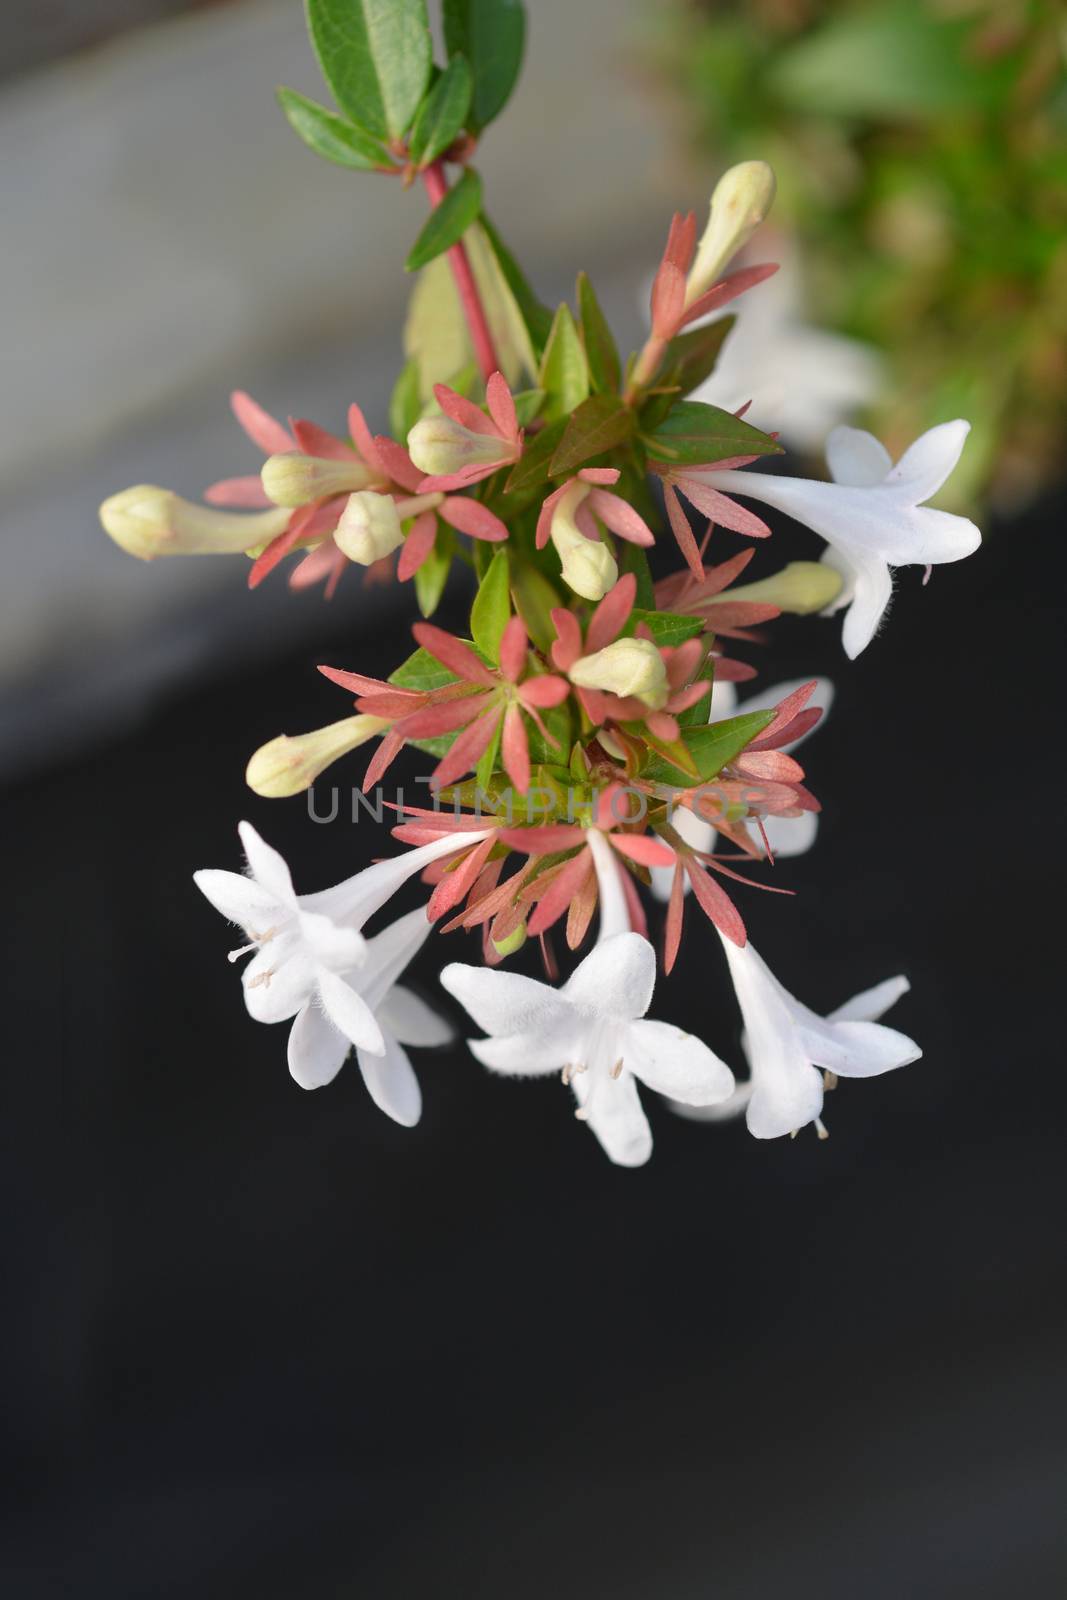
(627, 667)
(787, 836)
(740, 201)
(871, 515)
(290, 763)
(593, 1032)
(786, 1044)
(309, 948)
(588, 565)
(294, 479)
(148, 522)
(801, 588)
(369, 528)
(318, 1049)
(440, 447)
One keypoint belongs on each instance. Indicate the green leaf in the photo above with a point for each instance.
(598, 425)
(376, 56)
(483, 772)
(442, 114)
(691, 357)
(536, 317)
(633, 559)
(490, 33)
(532, 468)
(559, 726)
(667, 627)
(528, 404)
(431, 577)
(331, 136)
(535, 599)
(600, 348)
(405, 404)
(421, 671)
(695, 433)
(719, 742)
(491, 610)
(564, 374)
(448, 222)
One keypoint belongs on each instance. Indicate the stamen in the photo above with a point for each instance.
(261, 978)
(257, 940)
(566, 1073)
(580, 1113)
(617, 1068)
(829, 1080)
(821, 1129)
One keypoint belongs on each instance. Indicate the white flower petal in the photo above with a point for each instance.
(316, 1050)
(932, 538)
(337, 948)
(676, 1063)
(613, 1111)
(267, 866)
(855, 457)
(356, 900)
(524, 1055)
(926, 464)
(857, 1049)
(787, 1095)
(349, 1012)
(408, 1018)
(725, 1111)
(616, 979)
(389, 952)
(239, 899)
(872, 1003)
(277, 981)
(872, 589)
(391, 1083)
(506, 1002)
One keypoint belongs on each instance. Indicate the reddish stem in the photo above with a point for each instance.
(436, 188)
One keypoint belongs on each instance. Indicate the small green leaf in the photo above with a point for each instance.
(442, 114)
(674, 752)
(331, 136)
(483, 772)
(600, 348)
(532, 468)
(447, 224)
(405, 404)
(490, 33)
(598, 425)
(528, 404)
(564, 374)
(558, 726)
(667, 627)
(421, 671)
(695, 433)
(376, 56)
(431, 577)
(491, 610)
(536, 317)
(719, 742)
(633, 559)
(535, 599)
(691, 357)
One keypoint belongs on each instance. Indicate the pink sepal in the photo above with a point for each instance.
(260, 426)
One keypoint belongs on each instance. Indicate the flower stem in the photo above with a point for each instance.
(469, 298)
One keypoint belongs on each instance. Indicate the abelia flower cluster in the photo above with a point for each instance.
(591, 761)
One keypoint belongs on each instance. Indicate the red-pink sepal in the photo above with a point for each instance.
(247, 491)
(472, 518)
(452, 653)
(727, 289)
(260, 426)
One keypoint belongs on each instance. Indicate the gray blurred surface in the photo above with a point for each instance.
(169, 239)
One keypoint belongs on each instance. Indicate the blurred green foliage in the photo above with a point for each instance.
(921, 153)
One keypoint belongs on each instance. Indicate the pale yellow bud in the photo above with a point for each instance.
(288, 765)
(741, 199)
(513, 942)
(149, 522)
(588, 565)
(439, 447)
(294, 479)
(627, 667)
(369, 528)
(801, 587)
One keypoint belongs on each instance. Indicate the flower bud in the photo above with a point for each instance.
(440, 447)
(741, 199)
(802, 587)
(149, 522)
(369, 528)
(629, 667)
(288, 765)
(294, 479)
(588, 565)
(513, 942)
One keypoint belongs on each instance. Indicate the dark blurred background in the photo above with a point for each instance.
(265, 1343)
